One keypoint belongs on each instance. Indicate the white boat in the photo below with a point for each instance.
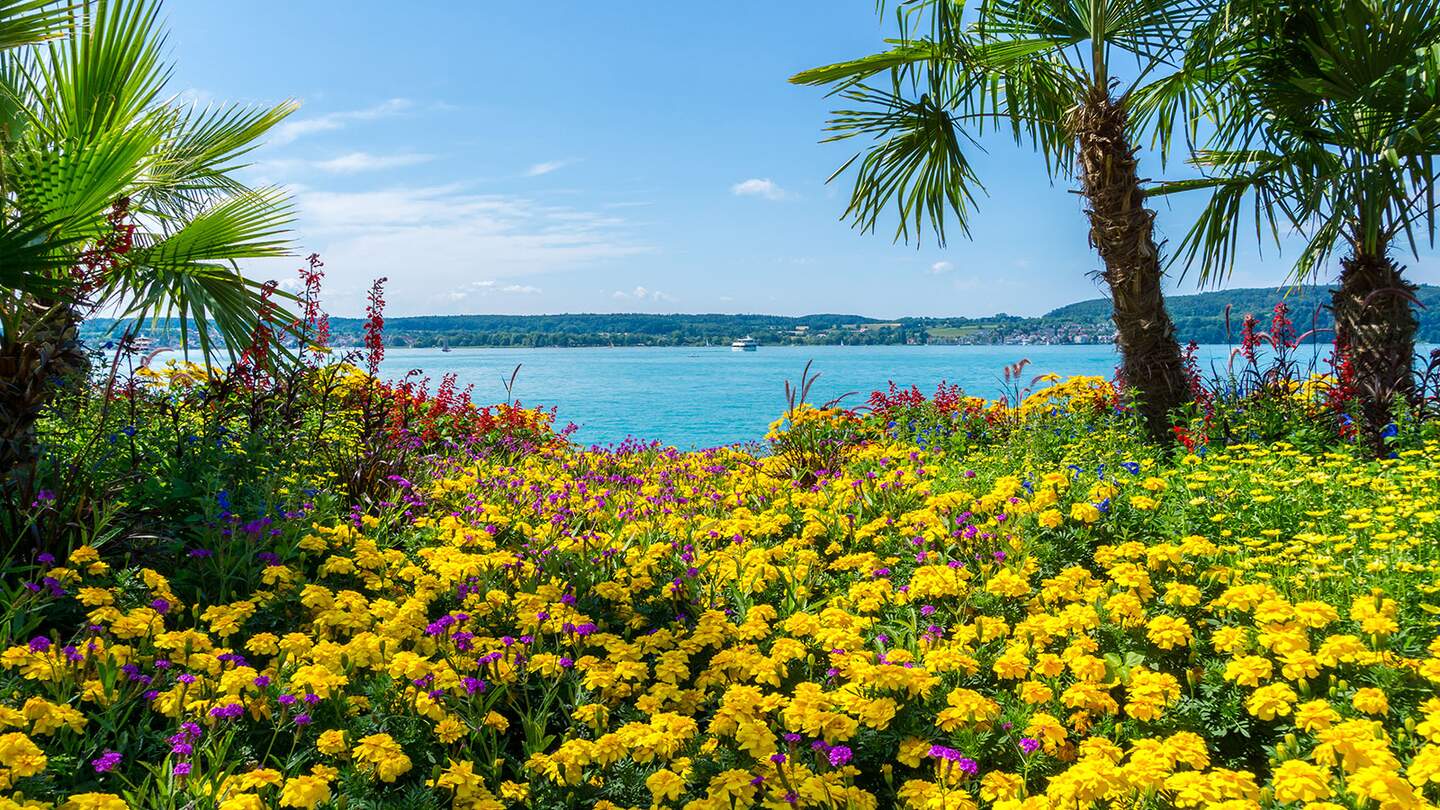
(444, 344)
(744, 344)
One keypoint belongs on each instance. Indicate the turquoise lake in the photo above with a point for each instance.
(701, 397)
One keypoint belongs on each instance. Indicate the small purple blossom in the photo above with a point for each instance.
(106, 762)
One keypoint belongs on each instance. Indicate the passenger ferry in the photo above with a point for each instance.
(744, 344)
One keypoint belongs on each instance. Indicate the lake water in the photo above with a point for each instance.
(701, 397)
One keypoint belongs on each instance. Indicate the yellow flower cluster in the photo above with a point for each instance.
(1251, 628)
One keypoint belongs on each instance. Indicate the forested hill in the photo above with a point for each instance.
(1199, 317)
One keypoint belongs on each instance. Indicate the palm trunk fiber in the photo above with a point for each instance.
(1122, 230)
(1375, 334)
(46, 351)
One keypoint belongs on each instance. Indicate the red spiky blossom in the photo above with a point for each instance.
(253, 366)
(1282, 329)
(93, 264)
(375, 327)
(313, 323)
(1249, 338)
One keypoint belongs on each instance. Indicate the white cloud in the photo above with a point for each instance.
(296, 128)
(642, 294)
(756, 187)
(355, 162)
(547, 167)
(941, 267)
(432, 242)
(486, 287)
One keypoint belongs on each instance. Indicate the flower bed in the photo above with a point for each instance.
(1032, 622)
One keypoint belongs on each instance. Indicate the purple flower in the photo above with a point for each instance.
(181, 769)
(302, 719)
(39, 644)
(228, 711)
(927, 610)
(106, 762)
(840, 755)
(1029, 744)
(778, 759)
(262, 681)
(941, 752)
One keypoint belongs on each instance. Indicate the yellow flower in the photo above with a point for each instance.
(22, 756)
(1299, 781)
(1269, 702)
(94, 801)
(1425, 767)
(1051, 518)
(1084, 512)
(304, 792)
(331, 742)
(1168, 632)
(383, 755)
(1370, 701)
(665, 785)
(1248, 670)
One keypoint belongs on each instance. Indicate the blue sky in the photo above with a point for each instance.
(612, 157)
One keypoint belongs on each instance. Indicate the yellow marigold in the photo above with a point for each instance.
(304, 792)
(1425, 767)
(383, 755)
(331, 742)
(94, 801)
(22, 756)
(1051, 518)
(1007, 583)
(243, 801)
(1299, 781)
(1315, 715)
(1168, 632)
(460, 778)
(1370, 701)
(1084, 512)
(665, 785)
(1248, 670)
(1269, 702)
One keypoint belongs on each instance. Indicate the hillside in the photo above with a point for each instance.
(1198, 317)
(1201, 317)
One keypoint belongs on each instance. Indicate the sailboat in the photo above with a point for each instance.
(444, 344)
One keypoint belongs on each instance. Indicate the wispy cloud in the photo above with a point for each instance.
(482, 288)
(941, 267)
(759, 187)
(294, 129)
(433, 242)
(642, 294)
(547, 167)
(355, 162)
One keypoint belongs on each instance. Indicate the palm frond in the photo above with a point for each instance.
(27, 22)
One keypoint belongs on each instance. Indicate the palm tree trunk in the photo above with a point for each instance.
(1375, 334)
(45, 350)
(1122, 229)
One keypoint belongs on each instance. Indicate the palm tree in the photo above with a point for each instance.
(113, 195)
(1043, 70)
(1330, 128)
(26, 22)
